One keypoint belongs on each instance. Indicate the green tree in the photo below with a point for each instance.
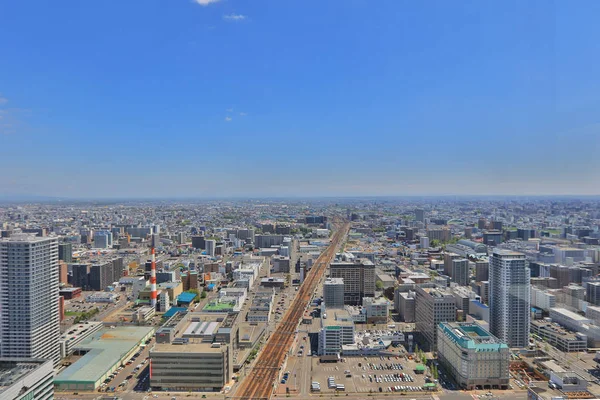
(389, 293)
(379, 285)
(203, 294)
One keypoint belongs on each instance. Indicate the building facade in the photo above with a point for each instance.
(473, 356)
(337, 329)
(460, 271)
(333, 293)
(510, 298)
(432, 306)
(29, 314)
(359, 280)
(103, 240)
(190, 367)
(65, 252)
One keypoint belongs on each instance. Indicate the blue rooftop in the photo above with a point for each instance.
(186, 297)
(479, 304)
(173, 310)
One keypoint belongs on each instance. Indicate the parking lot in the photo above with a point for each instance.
(372, 374)
(133, 374)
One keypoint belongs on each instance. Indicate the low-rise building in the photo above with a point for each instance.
(261, 306)
(170, 329)
(70, 292)
(376, 309)
(474, 357)
(102, 297)
(558, 337)
(191, 366)
(222, 305)
(568, 382)
(271, 282)
(76, 334)
(143, 314)
(104, 352)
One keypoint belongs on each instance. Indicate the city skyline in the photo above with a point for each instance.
(234, 99)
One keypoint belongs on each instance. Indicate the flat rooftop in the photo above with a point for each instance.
(218, 306)
(250, 333)
(201, 328)
(471, 336)
(186, 348)
(505, 252)
(79, 329)
(570, 314)
(334, 318)
(12, 370)
(70, 289)
(104, 349)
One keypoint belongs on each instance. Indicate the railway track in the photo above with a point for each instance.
(259, 382)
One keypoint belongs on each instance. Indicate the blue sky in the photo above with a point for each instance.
(174, 98)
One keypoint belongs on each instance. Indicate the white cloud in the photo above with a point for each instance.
(3, 100)
(205, 2)
(228, 119)
(243, 114)
(229, 110)
(234, 17)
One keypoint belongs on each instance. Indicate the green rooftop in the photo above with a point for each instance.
(105, 351)
(218, 306)
(471, 336)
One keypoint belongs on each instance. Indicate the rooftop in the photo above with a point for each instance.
(219, 306)
(472, 336)
(174, 310)
(25, 237)
(507, 253)
(70, 289)
(104, 349)
(79, 329)
(187, 348)
(13, 370)
(569, 314)
(186, 297)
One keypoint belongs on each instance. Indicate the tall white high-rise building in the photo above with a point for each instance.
(510, 298)
(29, 316)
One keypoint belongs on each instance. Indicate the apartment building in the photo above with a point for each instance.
(29, 315)
(510, 297)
